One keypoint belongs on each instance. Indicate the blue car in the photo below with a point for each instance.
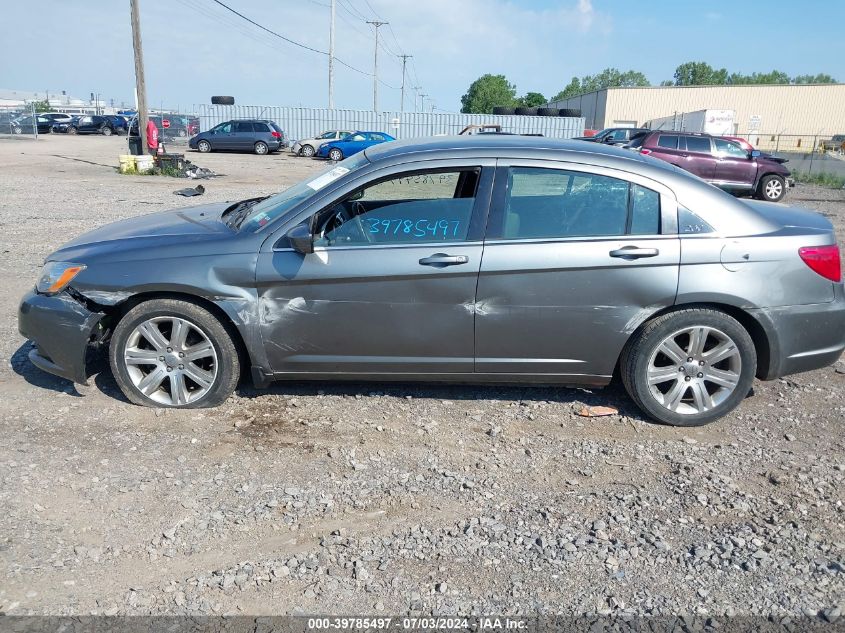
(352, 144)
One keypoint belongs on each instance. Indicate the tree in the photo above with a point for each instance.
(608, 78)
(774, 77)
(41, 106)
(821, 78)
(532, 100)
(486, 92)
(700, 74)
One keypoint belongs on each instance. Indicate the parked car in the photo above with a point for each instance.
(410, 261)
(835, 143)
(613, 135)
(308, 147)
(721, 162)
(57, 117)
(87, 124)
(252, 135)
(27, 125)
(352, 144)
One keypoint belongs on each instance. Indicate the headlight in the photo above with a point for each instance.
(56, 275)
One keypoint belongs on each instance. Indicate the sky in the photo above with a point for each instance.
(196, 48)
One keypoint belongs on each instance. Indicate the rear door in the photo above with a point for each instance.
(735, 168)
(698, 157)
(575, 258)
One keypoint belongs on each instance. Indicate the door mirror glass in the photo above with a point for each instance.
(301, 239)
(755, 153)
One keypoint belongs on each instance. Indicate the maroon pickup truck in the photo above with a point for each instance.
(721, 162)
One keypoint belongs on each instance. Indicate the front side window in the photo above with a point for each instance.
(327, 135)
(223, 128)
(728, 148)
(553, 203)
(409, 208)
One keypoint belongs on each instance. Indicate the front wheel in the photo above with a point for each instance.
(106, 131)
(72, 130)
(335, 154)
(772, 188)
(307, 151)
(173, 353)
(261, 148)
(204, 147)
(689, 367)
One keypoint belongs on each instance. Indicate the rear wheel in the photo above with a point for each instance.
(106, 130)
(771, 188)
(173, 353)
(72, 130)
(690, 367)
(307, 151)
(335, 154)
(261, 148)
(204, 147)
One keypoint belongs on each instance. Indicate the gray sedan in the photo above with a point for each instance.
(498, 259)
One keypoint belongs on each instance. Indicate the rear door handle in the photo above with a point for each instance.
(634, 252)
(442, 259)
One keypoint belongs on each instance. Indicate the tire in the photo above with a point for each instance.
(772, 188)
(217, 369)
(307, 150)
(222, 100)
(182, 133)
(548, 111)
(261, 148)
(503, 110)
(106, 130)
(643, 355)
(335, 154)
(570, 112)
(72, 130)
(523, 111)
(17, 130)
(204, 146)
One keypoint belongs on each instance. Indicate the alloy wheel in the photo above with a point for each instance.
(694, 370)
(774, 189)
(170, 360)
(335, 154)
(307, 151)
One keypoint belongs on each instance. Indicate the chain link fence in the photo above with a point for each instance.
(22, 122)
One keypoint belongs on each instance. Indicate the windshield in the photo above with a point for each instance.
(274, 207)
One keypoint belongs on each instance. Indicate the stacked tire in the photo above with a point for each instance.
(570, 112)
(503, 110)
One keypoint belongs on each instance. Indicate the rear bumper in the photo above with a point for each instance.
(803, 338)
(61, 328)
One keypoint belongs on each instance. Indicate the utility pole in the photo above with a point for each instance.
(422, 101)
(140, 84)
(331, 59)
(402, 101)
(416, 96)
(375, 23)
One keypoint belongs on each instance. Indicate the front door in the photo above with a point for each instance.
(391, 285)
(734, 166)
(223, 137)
(574, 261)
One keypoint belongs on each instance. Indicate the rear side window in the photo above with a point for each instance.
(669, 141)
(698, 144)
(242, 127)
(261, 127)
(552, 203)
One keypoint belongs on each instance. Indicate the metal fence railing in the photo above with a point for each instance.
(800, 143)
(299, 123)
(19, 121)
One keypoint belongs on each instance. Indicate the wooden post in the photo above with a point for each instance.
(140, 84)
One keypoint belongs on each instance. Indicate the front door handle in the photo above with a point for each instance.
(634, 252)
(442, 259)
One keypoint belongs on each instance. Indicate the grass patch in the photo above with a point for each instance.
(821, 178)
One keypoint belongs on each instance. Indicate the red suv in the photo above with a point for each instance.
(720, 162)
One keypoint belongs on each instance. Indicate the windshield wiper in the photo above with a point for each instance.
(236, 213)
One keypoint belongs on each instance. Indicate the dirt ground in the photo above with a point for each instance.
(319, 498)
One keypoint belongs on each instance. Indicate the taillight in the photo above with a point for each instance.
(275, 134)
(823, 259)
(645, 151)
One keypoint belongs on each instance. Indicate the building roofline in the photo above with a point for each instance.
(592, 92)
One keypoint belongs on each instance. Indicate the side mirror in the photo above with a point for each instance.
(301, 238)
(755, 153)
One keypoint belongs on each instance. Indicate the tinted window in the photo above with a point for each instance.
(645, 211)
(699, 144)
(260, 127)
(327, 135)
(243, 127)
(415, 207)
(669, 141)
(619, 135)
(556, 203)
(727, 148)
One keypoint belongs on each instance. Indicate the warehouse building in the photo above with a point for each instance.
(785, 117)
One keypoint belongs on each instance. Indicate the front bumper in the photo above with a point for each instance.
(790, 182)
(61, 329)
(804, 337)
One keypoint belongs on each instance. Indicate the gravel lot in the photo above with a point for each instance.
(316, 498)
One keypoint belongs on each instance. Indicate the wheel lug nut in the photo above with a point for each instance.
(169, 349)
(161, 357)
(181, 367)
(169, 368)
(689, 360)
(700, 375)
(701, 363)
(182, 355)
(687, 378)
